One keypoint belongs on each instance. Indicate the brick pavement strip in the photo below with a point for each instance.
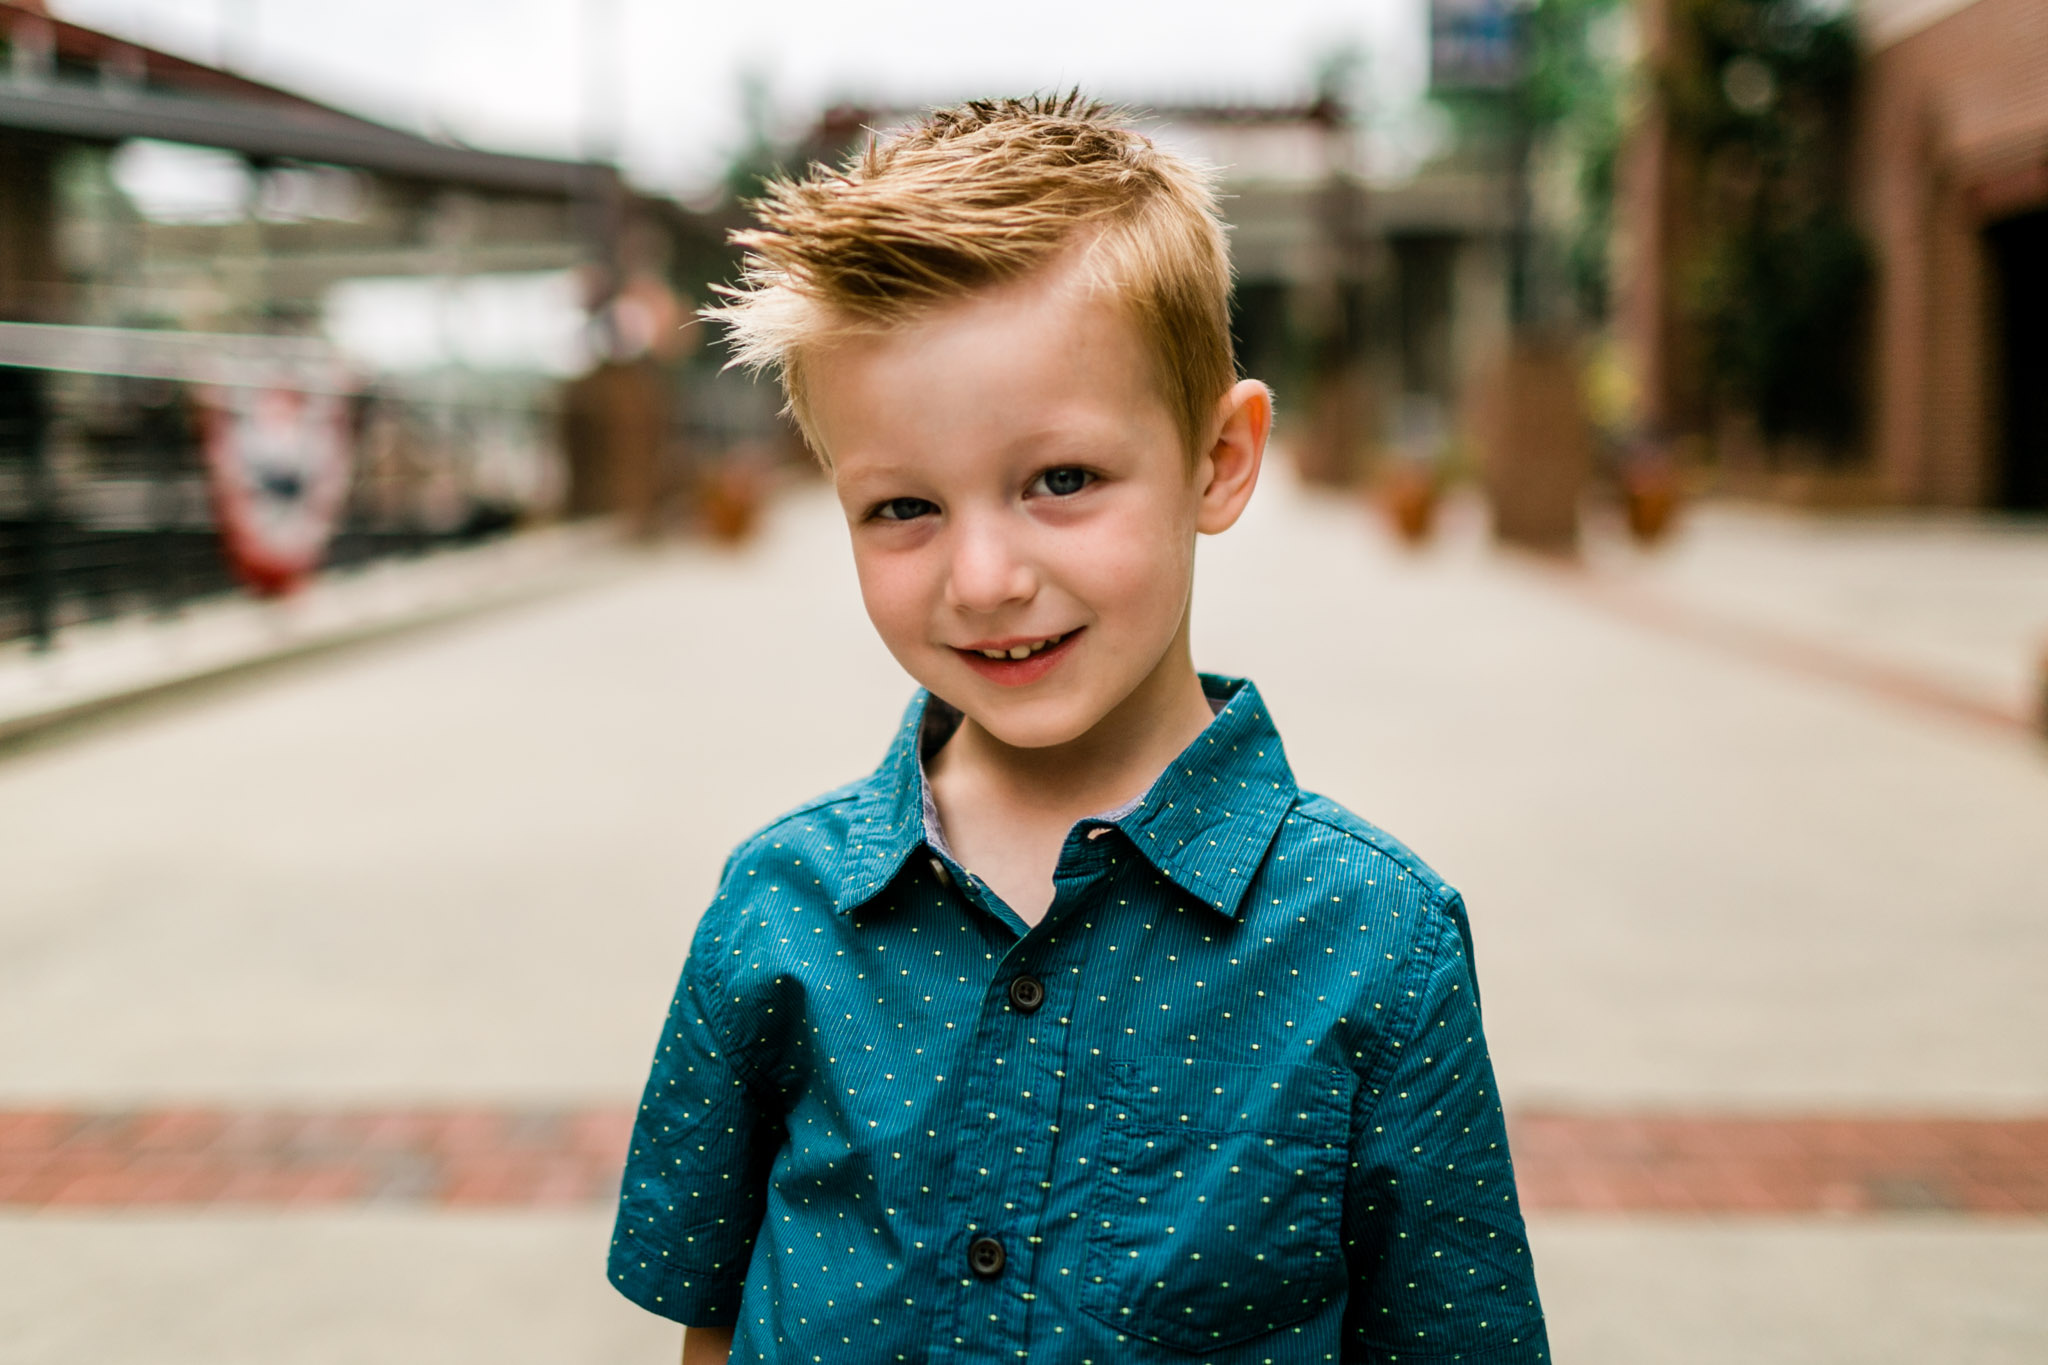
(528, 1157)
(469, 1157)
(1693, 1163)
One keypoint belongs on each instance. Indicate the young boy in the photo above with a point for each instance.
(1076, 1032)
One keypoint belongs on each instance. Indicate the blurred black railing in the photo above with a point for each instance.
(133, 530)
(28, 521)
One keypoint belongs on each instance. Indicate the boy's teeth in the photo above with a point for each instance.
(1022, 651)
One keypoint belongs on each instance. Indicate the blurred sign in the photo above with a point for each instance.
(278, 462)
(277, 436)
(1473, 44)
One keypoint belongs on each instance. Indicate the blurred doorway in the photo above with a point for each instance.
(2019, 248)
(1424, 271)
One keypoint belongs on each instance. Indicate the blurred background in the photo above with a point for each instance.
(402, 612)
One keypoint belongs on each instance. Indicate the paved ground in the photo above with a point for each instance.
(1953, 598)
(460, 868)
(1905, 1291)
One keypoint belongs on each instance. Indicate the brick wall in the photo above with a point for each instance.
(1953, 136)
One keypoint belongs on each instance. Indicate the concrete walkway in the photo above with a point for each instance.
(463, 866)
(1961, 602)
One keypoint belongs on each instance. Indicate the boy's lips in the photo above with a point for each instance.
(1015, 672)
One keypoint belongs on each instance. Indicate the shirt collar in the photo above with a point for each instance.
(1205, 823)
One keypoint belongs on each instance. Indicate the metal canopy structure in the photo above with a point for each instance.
(69, 81)
(264, 130)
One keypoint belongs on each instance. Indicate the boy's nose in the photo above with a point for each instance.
(987, 571)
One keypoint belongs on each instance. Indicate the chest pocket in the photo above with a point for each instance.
(1218, 1202)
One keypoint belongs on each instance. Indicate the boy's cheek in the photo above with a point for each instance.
(890, 587)
(1139, 569)
(901, 629)
(900, 612)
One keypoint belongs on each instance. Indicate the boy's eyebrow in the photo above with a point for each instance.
(858, 476)
(1080, 438)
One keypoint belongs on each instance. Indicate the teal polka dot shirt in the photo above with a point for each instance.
(1229, 1101)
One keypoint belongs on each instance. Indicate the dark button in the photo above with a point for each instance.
(985, 1257)
(1027, 993)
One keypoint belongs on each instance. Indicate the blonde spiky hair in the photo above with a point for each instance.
(973, 196)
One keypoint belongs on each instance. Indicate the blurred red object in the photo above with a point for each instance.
(277, 464)
(1407, 494)
(730, 500)
(1650, 493)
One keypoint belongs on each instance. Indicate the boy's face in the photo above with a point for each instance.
(1015, 486)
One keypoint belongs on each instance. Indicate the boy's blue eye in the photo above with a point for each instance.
(1064, 481)
(902, 509)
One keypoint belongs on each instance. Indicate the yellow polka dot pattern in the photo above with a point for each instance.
(1241, 1111)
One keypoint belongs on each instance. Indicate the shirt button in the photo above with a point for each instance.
(985, 1257)
(939, 871)
(1027, 993)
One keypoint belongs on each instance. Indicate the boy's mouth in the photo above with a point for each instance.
(1016, 662)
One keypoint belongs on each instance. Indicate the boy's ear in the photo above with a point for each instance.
(1229, 469)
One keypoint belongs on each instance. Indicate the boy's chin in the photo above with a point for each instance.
(1035, 733)
(1031, 722)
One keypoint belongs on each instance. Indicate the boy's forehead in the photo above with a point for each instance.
(1041, 365)
(1061, 300)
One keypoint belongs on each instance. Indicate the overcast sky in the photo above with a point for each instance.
(512, 74)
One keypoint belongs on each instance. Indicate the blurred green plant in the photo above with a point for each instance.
(1760, 92)
(1574, 82)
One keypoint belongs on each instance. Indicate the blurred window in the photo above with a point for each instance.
(171, 182)
(516, 322)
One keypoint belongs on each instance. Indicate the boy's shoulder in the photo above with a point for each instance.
(1360, 853)
(819, 834)
(1316, 819)
(839, 840)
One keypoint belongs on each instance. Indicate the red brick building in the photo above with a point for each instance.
(1950, 185)
(1953, 189)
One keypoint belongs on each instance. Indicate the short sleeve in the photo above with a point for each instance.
(695, 1184)
(1438, 1257)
